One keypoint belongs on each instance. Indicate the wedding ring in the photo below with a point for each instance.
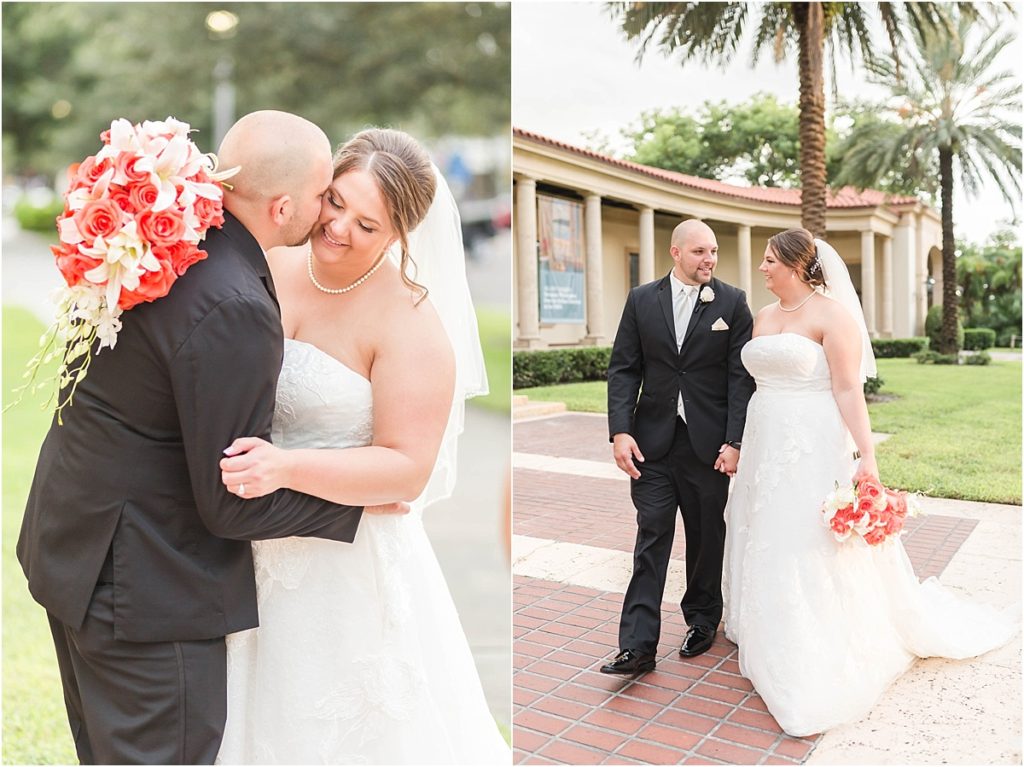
(241, 489)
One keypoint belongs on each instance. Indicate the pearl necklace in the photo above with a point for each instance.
(799, 304)
(347, 288)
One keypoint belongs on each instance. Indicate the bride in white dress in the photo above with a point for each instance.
(822, 627)
(360, 657)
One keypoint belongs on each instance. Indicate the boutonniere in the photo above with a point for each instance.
(707, 295)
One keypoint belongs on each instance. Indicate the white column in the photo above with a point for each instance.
(887, 287)
(526, 264)
(743, 252)
(908, 286)
(646, 245)
(867, 279)
(921, 259)
(595, 279)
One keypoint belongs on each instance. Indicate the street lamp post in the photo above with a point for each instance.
(221, 26)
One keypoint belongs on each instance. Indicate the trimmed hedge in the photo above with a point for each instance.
(976, 339)
(933, 328)
(558, 366)
(981, 358)
(35, 216)
(886, 348)
(589, 363)
(936, 358)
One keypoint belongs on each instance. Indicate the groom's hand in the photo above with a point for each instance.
(625, 450)
(388, 508)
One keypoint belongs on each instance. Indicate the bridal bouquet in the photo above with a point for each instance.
(134, 215)
(870, 510)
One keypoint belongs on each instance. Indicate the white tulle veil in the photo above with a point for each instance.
(436, 248)
(839, 287)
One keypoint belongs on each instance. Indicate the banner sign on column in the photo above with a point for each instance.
(562, 283)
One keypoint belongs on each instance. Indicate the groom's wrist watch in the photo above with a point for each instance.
(734, 444)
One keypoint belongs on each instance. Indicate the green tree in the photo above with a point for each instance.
(956, 111)
(712, 33)
(989, 278)
(430, 68)
(756, 140)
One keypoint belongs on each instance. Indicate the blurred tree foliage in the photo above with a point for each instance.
(429, 68)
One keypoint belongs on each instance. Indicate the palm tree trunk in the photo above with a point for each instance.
(810, 22)
(947, 338)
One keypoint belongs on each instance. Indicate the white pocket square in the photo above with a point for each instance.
(720, 324)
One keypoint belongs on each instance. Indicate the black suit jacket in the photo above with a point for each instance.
(134, 469)
(647, 372)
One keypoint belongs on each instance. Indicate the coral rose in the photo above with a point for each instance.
(124, 167)
(120, 197)
(181, 255)
(152, 285)
(99, 218)
(209, 212)
(72, 264)
(872, 488)
(142, 194)
(164, 228)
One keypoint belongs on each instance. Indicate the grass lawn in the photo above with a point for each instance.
(495, 334)
(35, 727)
(956, 429)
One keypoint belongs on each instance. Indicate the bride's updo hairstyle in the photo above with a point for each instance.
(796, 249)
(403, 174)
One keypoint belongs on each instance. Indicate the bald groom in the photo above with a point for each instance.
(677, 402)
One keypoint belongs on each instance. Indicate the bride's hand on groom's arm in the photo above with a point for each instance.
(254, 467)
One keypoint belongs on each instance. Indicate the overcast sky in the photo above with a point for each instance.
(573, 73)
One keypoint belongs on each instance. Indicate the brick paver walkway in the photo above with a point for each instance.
(689, 711)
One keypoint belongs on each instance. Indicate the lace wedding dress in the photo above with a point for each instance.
(822, 627)
(360, 657)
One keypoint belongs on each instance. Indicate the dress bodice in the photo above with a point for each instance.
(787, 362)
(321, 402)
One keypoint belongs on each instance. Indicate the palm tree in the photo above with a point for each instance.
(950, 104)
(712, 32)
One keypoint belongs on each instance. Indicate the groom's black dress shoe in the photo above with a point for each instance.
(629, 662)
(698, 640)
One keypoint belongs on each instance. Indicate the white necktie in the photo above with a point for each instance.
(684, 306)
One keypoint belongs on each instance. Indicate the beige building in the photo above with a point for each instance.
(588, 227)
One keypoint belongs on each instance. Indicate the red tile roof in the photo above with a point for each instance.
(845, 197)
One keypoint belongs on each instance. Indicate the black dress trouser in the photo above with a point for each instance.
(140, 702)
(678, 481)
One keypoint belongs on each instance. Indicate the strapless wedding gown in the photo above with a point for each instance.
(822, 627)
(359, 657)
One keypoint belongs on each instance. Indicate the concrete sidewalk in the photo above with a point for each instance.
(572, 559)
(465, 530)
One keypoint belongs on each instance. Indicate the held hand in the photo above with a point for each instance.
(388, 508)
(728, 460)
(625, 449)
(253, 468)
(866, 468)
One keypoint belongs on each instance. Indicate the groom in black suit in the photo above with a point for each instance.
(130, 541)
(677, 402)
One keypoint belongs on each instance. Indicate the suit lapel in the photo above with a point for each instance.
(694, 315)
(665, 301)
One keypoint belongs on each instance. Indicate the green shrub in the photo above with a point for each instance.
(933, 328)
(980, 358)
(976, 339)
(935, 358)
(897, 347)
(1006, 336)
(873, 385)
(556, 366)
(38, 213)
